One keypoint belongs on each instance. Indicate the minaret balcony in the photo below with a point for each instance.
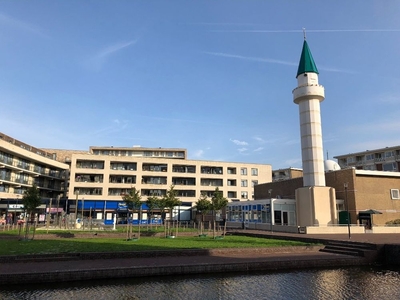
(306, 92)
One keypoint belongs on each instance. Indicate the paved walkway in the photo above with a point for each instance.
(40, 271)
(373, 238)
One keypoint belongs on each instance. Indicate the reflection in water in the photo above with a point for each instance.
(347, 283)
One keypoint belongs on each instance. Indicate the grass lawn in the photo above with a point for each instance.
(76, 245)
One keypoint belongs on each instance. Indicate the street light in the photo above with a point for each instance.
(270, 207)
(347, 207)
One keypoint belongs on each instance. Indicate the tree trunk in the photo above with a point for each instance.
(225, 227)
(213, 229)
(34, 229)
(127, 227)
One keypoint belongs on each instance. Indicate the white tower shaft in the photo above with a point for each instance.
(308, 96)
(311, 143)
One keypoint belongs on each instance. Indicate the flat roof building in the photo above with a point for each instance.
(383, 159)
(371, 197)
(21, 166)
(98, 178)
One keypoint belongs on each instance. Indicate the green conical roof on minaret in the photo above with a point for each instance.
(306, 63)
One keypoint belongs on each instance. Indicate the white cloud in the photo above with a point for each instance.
(257, 59)
(198, 154)
(292, 142)
(258, 149)
(239, 143)
(276, 61)
(308, 30)
(98, 60)
(241, 150)
(113, 48)
(258, 139)
(4, 19)
(116, 126)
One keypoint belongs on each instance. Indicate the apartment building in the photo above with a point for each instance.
(93, 181)
(99, 177)
(285, 174)
(21, 166)
(384, 159)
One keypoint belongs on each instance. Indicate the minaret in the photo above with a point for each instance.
(308, 94)
(315, 202)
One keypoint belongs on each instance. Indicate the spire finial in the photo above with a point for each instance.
(304, 32)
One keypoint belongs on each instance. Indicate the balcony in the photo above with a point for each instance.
(154, 180)
(155, 168)
(211, 170)
(183, 181)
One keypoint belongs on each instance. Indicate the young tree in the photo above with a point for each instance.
(132, 201)
(31, 200)
(152, 203)
(218, 202)
(171, 200)
(161, 204)
(203, 206)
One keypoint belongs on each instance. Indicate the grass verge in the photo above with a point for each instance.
(75, 245)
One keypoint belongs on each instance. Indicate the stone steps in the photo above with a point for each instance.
(350, 248)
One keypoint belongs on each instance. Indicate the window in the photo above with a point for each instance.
(243, 183)
(231, 170)
(231, 182)
(350, 159)
(254, 182)
(254, 171)
(244, 195)
(389, 153)
(370, 157)
(232, 195)
(395, 194)
(389, 167)
(243, 171)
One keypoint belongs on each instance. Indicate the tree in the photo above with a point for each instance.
(31, 200)
(218, 202)
(203, 206)
(132, 201)
(171, 200)
(161, 204)
(152, 203)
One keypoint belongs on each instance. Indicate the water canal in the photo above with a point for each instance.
(342, 283)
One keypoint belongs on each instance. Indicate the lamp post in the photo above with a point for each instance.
(347, 207)
(270, 207)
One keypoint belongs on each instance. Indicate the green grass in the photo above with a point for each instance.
(94, 244)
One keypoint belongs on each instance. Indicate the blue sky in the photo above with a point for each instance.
(214, 77)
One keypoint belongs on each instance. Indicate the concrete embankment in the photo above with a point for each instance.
(136, 264)
(89, 266)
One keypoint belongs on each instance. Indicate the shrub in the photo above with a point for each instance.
(393, 222)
